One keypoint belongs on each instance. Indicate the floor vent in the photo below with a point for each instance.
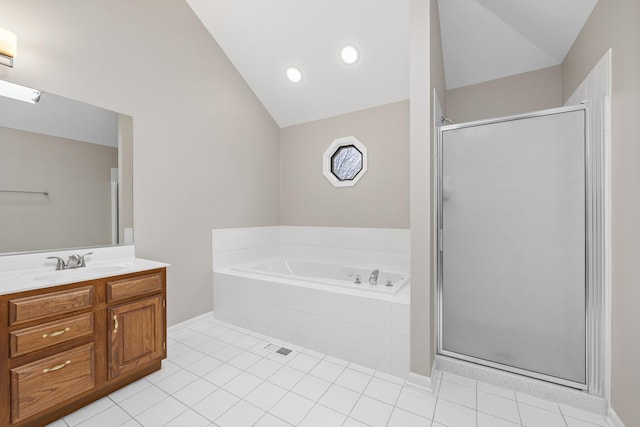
(283, 351)
(277, 349)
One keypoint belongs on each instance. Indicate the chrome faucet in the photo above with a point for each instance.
(82, 261)
(74, 261)
(61, 264)
(373, 277)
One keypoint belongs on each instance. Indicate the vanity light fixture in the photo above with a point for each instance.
(349, 54)
(8, 45)
(21, 93)
(294, 75)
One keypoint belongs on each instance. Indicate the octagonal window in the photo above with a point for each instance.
(345, 161)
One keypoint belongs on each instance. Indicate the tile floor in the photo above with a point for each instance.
(217, 374)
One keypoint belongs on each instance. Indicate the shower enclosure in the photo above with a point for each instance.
(513, 233)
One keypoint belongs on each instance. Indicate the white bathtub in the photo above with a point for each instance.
(309, 304)
(327, 274)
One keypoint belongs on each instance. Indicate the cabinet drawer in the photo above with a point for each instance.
(35, 338)
(126, 288)
(50, 304)
(41, 385)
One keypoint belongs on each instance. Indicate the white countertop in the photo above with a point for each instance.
(38, 278)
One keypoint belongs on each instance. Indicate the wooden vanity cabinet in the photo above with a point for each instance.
(66, 346)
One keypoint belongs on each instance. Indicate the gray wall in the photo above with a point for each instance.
(205, 150)
(77, 175)
(616, 24)
(426, 74)
(379, 200)
(522, 93)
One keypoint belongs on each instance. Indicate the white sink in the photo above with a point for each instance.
(103, 269)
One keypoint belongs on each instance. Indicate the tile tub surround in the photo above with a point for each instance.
(233, 246)
(372, 330)
(381, 248)
(362, 327)
(220, 375)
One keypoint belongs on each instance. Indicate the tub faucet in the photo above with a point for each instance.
(373, 277)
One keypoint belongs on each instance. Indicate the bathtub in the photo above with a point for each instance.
(327, 274)
(319, 306)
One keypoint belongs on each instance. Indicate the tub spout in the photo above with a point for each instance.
(373, 277)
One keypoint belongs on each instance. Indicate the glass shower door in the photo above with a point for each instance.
(512, 244)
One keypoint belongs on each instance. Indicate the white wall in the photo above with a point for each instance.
(205, 150)
(615, 24)
(596, 89)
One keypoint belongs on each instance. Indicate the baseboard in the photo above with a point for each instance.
(420, 381)
(189, 322)
(613, 419)
(427, 383)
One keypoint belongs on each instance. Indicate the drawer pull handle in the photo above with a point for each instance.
(57, 367)
(115, 324)
(56, 333)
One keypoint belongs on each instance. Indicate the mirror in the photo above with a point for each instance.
(65, 175)
(345, 161)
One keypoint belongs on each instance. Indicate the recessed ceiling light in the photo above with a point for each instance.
(349, 54)
(294, 75)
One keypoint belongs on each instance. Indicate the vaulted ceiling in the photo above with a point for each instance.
(488, 39)
(263, 38)
(482, 40)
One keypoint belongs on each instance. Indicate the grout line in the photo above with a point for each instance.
(563, 417)
(500, 417)
(186, 409)
(476, 395)
(264, 415)
(518, 407)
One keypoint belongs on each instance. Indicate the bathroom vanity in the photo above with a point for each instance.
(66, 345)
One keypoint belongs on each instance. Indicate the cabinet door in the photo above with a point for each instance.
(137, 334)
